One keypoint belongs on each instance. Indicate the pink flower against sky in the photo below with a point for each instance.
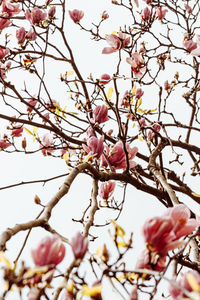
(94, 146)
(10, 8)
(76, 15)
(106, 189)
(47, 143)
(50, 251)
(117, 157)
(137, 64)
(35, 16)
(116, 42)
(100, 114)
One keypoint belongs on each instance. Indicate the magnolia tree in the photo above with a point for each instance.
(125, 127)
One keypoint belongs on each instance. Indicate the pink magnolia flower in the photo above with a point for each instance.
(116, 42)
(10, 8)
(162, 234)
(100, 114)
(48, 143)
(17, 131)
(33, 103)
(3, 52)
(146, 14)
(76, 15)
(104, 79)
(4, 22)
(142, 123)
(160, 12)
(106, 189)
(188, 8)
(79, 245)
(117, 157)
(183, 282)
(90, 132)
(136, 2)
(139, 93)
(151, 261)
(125, 101)
(21, 35)
(35, 16)
(4, 144)
(51, 12)
(31, 36)
(137, 64)
(94, 146)
(191, 46)
(50, 251)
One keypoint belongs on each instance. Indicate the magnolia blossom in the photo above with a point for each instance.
(51, 12)
(33, 103)
(137, 64)
(4, 22)
(191, 46)
(106, 189)
(156, 127)
(183, 281)
(104, 79)
(4, 144)
(76, 15)
(116, 42)
(188, 8)
(142, 123)
(100, 114)
(146, 14)
(162, 234)
(50, 251)
(94, 146)
(31, 36)
(17, 131)
(125, 101)
(79, 245)
(151, 261)
(160, 13)
(10, 8)
(90, 132)
(47, 142)
(139, 93)
(35, 16)
(21, 35)
(3, 52)
(117, 157)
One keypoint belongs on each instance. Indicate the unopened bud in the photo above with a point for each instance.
(24, 143)
(37, 199)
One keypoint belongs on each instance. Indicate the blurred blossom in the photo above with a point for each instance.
(160, 12)
(4, 22)
(134, 293)
(137, 64)
(33, 103)
(66, 296)
(104, 79)
(17, 131)
(106, 189)
(10, 8)
(3, 71)
(151, 261)
(117, 157)
(50, 251)
(52, 104)
(100, 114)
(184, 280)
(76, 15)
(167, 86)
(191, 46)
(90, 132)
(31, 35)
(94, 146)
(33, 294)
(125, 101)
(47, 142)
(116, 42)
(142, 123)
(105, 15)
(4, 144)
(3, 52)
(148, 1)
(139, 93)
(21, 35)
(136, 3)
(188, 8)
(35, 16)
(79, 246)
(146, 14)
(51, 12)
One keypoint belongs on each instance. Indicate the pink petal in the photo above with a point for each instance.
(108, 50)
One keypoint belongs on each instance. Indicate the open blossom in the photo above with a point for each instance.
(79, 245)
(137, 64)
(33, 103)
(17, 131)
(76, 15)
(162, 234)
(100, 114)
(3, 52)
(117, 157)
(4, 144)
(47, 143)
(50, 251)
(191, 46)
(35, 16)
(94, 146)
(160, 13)
(104, 79)
(10, 8)
(106, 189)
(116, 42)
(151, 261)
(184, 282)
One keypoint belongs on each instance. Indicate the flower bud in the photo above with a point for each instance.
(105, 78)
(79, 246)
(105, 15)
